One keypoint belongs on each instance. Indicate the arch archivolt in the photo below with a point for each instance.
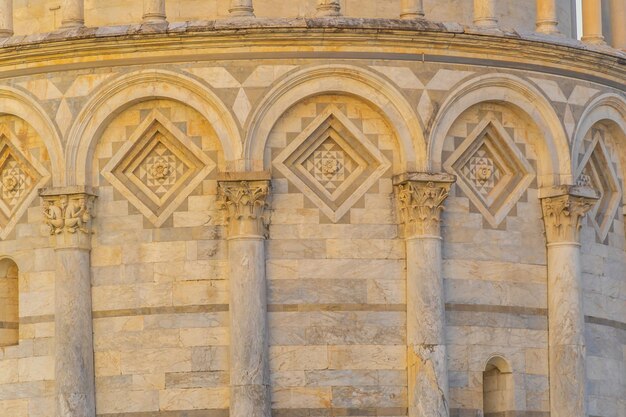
(15, 103)
(553, 151)
(608, 108)
(127, 90)
(340, 80)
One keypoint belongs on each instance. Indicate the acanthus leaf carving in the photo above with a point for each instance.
(420, 203)
(245, 204)
(563, 215)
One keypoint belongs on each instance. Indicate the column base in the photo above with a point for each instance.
(594, 40)
(73, 24)
(412, 15)
(328, 12)
(548, 27)
(241, 12)
(486, 23)
(153, 19)
(6, 33)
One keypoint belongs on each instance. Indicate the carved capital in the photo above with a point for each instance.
(420, 200)
(67, 213)
(563, 212)
(244, 203)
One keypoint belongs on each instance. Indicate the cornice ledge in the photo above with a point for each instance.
(336, 24)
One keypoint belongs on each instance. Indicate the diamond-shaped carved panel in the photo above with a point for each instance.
(21, 176)
(332, 162)
(597, 171)
(491, 170)
(157, 168)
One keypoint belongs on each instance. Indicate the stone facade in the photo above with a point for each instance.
(328, 216)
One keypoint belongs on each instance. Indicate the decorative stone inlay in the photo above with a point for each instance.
(245, 203)
(420, 202)
(491, 169)
(20, 177)
(157, 168)
(483, 171)
(597, 171)
(332, 162)
(563, 211)
(68, 212)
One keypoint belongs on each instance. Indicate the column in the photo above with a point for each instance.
(618, 23)
(241, 8)
(244, 203)
(154, 11)
(592, 22)
(420, 200)
(412, 9)
(328, 8)
(485, 13)
(6, 18)
(73, 12)
(563, 211)
(67, 213)
(547, 21)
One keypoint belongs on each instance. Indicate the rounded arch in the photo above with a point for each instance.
(607, 107)
(555, 167)
(133, 88)
(338, 79)
(9, 299)
(497, 360)
(17, 103)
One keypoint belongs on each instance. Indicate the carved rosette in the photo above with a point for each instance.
(420, 200)
(68, 215)
(245, 204)
(563, 215)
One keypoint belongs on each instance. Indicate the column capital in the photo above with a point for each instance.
(244, 198)
(68, 211)
(563, 210)
(420, 198)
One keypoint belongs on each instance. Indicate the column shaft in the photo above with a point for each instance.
(250, 395)
(241, 8)
(563, 211)
(328, 8)
(412, 9)
(618, 24)
(426, 360)
(75, 390)
(6, 18)
(547, 21)
(154, 11)
(244, 203)
(485, 13)
(420, 201)
(73, 12)
(566, 327)
(592, 22)
(67, 213)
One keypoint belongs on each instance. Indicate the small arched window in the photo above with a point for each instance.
(498, 388)
(9, 303)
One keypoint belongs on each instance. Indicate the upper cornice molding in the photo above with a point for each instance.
(329, 37)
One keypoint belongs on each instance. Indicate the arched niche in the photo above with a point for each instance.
(9, 303)
(146, 85)
(344, 80)
(498, 388)
(554, 166)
